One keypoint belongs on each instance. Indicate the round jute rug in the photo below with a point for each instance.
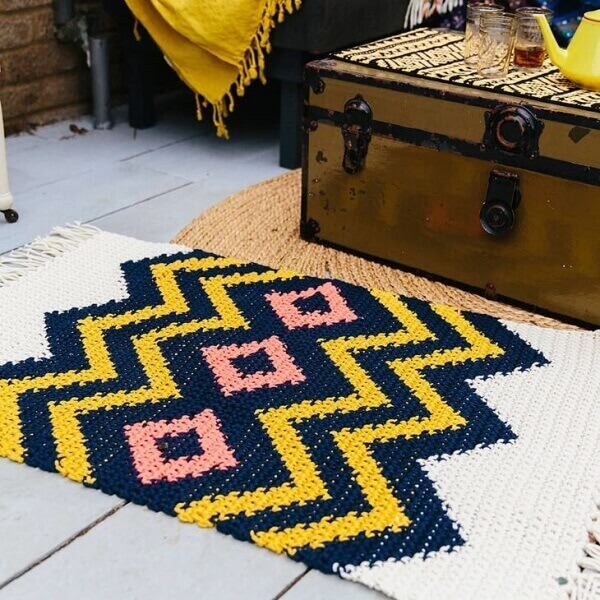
(260, 224)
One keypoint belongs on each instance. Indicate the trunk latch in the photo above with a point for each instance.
(497, 215)
(356, 130)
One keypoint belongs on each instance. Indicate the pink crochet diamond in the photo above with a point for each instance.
(231, 379)
(284, 305)
(152, 466)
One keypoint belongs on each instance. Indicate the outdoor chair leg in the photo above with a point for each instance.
(290, 129)
(6, 199)
(140, 68)
(140, 77)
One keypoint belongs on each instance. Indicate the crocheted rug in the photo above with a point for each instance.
(424, 451)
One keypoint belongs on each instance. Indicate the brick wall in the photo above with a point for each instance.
(41, 80)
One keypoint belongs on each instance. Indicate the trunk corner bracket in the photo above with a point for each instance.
(317, 85)
(309, 229)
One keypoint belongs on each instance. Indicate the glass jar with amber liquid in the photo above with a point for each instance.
(530, 51)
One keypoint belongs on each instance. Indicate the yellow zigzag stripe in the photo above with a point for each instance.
(72, 454)
(91, 331)
(386, 511)
(306, 485)
(70, 445)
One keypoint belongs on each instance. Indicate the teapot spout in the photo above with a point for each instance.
(557, 54)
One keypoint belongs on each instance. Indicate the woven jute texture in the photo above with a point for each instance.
(260, 224)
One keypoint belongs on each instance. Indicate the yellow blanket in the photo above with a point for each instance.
(217, 47)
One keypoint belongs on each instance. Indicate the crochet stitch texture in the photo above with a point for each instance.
(310, 417)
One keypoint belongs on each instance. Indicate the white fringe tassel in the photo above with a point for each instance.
(587, 584)
(19, 262)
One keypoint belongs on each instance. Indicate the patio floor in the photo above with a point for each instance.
(57, 538)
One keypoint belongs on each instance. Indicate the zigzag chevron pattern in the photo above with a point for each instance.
(284, 410)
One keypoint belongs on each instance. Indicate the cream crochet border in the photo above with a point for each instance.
(21, 261)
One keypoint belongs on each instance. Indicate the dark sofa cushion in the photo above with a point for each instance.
(324, 25)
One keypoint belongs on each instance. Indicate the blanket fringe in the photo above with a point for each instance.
(587, 581)
(253, 64)
(19, 262)
(136, 31)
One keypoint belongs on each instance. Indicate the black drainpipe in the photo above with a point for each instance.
(78, 29)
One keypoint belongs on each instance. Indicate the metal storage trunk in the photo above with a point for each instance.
(495, 185)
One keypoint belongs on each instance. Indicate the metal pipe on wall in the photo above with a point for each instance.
(75, 29)
(99, 61)
(64, 11)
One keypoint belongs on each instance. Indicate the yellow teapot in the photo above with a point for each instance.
(580, 62)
